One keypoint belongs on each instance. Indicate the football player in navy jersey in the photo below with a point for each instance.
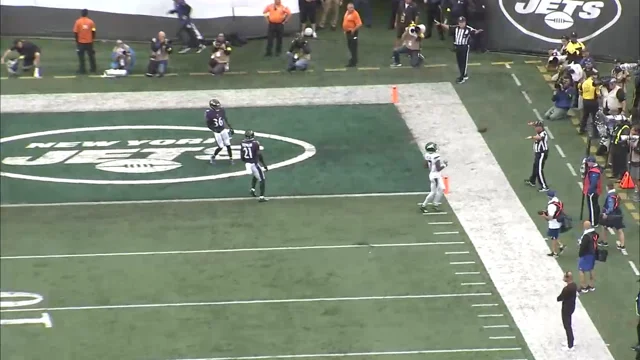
(252, 158)
(216, 118)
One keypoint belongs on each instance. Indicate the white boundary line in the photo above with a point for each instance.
(135, 202)
(468, 272)
(462, 262)
(218, 251)
(456, 253)
(490, 315)
(473, 284)
(248, 302)
(483, 305)
(501, 337)
(441, 223)
(446, 233)
(496, 326)
(361, 354)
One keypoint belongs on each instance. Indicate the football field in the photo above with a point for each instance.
(121, 241)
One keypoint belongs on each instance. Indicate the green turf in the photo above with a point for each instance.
(243, 329)
(354, 154)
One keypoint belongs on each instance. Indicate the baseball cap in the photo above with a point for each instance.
(590, 159)
(462, 18)
(574, 35)
(551, 193)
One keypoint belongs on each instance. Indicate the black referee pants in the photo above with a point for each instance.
(462, 57)
(537, 174)
(83, 49)
(566, 322)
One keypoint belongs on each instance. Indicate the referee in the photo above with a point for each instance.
(568, 298)
(462, 33)
(541, 153)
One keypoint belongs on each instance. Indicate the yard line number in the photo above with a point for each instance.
(11, 300)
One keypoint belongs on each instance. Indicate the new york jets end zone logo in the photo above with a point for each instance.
(186, 151)
(548, 20)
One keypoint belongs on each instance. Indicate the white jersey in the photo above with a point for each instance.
(433, 161)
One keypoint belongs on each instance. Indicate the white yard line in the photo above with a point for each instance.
(526, 97)
(446, 233)
(572, 170)
(495, 326)
(441, 223)
(490, 315)
(217, 251)
(473, 284)
(169, 201)
(456, 252)
(468, 272)
(483, 305)
(362, 354)
(462, 262)
(507, 66)
(560, 151)
(501, 337)
(515, 78)
(249, 302)
(634, 268)
(435, 213)
(538, 116)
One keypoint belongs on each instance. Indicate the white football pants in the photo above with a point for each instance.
(436, 193)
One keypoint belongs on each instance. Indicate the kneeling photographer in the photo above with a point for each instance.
(123, 58)
(411, 44)
(220, 56)
(563, 98)
(299, 54)
(159, 59)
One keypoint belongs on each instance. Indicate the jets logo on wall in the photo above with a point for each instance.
(548, 20)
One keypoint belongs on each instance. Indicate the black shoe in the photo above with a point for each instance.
(528, 182)
(552, 254)
(602, 243)
(621, 247)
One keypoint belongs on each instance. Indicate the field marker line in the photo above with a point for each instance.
(526, 97)
(507, 66)
(483, 305)
(491, 315)
(501, 337)
(238, 250)
(473, 284)
(250, 302)
(572, 170)
(560, 151)
(535, 111)
(462, 262)
(360, 354)
(495, 326)
(298, 197)
(634, 268)
(549, 133)
(436, 213)
(456, 252)
(468, 273)
(442, 223)
(515, 78)
(446, 233)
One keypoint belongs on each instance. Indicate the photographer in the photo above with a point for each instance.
(299, 54)
(563, 97)
(220, 56)
(159, 58)
(574, 49)
(614, 102)
(29, 54)
(620, 74)
(558, 57)
(411, 42)
(123, 58)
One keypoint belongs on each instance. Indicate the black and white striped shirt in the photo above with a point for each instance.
(462, 35)
(542, 145)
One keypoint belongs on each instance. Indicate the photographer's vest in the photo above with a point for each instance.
(587, 181)
(219, 53)
(589, 90)
(611, 101)
(161, 54)
(410, 41)
(618, 132)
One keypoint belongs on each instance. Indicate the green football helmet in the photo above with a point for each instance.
(431, 147)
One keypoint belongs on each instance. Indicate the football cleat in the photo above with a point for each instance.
(214, 104)
(262, 199)
(253, 192)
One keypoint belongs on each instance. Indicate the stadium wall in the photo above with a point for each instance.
(135, 20)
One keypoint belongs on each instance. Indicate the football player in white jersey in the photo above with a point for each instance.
(435, 164)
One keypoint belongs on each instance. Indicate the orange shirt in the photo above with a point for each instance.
(351, 21)
(84, 29)
(276, 14)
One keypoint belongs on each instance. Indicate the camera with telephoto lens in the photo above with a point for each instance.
(416, 30)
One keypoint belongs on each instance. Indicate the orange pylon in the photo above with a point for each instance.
(445, 180)
(627, 182)
(394, 94)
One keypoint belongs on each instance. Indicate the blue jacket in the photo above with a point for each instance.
(612, 204)
(563, 99)
(183, 10)
(594, 179)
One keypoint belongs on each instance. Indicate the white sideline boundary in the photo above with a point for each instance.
(177, 201)
(525, 278)
(252, 302)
